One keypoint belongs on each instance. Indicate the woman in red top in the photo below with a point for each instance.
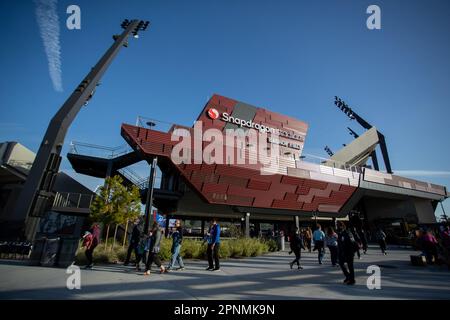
(429, 244)
(91, 240)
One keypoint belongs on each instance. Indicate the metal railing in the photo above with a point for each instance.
(94, 150)
(73, 200)
(151, 123)
(330, 163)
(20, 164)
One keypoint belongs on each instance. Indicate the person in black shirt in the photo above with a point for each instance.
(347, 247)
(134, 242)
(296, 243)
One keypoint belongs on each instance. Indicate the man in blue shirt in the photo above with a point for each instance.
(213, 246)
(318, 238)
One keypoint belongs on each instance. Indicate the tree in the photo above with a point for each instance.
(107, 204)
(130, 209)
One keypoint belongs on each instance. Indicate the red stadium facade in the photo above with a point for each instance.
(294, 187)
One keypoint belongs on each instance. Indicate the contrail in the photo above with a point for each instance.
(47, 19)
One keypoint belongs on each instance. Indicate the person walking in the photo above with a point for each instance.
(177, 238)
(381, 238)
(90, 240)
(331, 240)
(358, 242)
(430, 246)
(319, 242)
(296, 243)
(141, 253)
(134, 242)
(213, 246)
(308, 238)
(154, 249)
(364, 242)
(346, 252)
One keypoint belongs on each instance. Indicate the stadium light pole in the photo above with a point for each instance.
(352, 115)
(37, 193)
(149, 197)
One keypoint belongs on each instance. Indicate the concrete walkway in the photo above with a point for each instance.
(264, 277)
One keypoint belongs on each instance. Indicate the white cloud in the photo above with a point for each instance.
(47, 19)
(422, 173)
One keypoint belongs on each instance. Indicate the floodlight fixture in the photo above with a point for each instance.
(328, 150)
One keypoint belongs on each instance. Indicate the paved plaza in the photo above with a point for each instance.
(264, 277)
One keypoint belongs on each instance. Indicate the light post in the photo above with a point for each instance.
(149, 198)
(352, 115)
(37, 193)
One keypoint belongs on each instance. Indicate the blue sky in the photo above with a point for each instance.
(292, 57)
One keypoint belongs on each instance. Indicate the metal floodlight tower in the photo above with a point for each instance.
(352, 115)
(328, 150)
(37, 194)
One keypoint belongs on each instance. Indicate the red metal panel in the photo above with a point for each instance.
(292, 180)
(242, 182)
(214, 188)
(258, 184)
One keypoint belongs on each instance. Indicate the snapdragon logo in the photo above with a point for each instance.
(213, 113)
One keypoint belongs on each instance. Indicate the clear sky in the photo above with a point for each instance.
(291, 57)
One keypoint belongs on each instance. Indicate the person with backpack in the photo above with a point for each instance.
(154, 249)
(296, 243)
(177, 238)
(381, 238)
(331, 240)
(319, 242)
(346, 249)
(140, 252)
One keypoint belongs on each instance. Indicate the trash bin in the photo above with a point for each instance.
(67, 251)
(36, 251)
(50, 252)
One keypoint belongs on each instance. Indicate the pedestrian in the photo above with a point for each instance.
(430, 246)
(154, 249)
(296, 243)
(381, 238)
(319, 242)
(213, 246)
(346, 253)
(90, 240)
(331, 240)
(445, 236)
(364, 242)
(134, 242)
(140, 252)
(177, 238)
(308, 238)
(358, 241)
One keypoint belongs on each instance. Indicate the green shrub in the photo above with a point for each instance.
(190, 249)
(272, 245)
(224, 250)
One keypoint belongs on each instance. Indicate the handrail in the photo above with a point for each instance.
(73, 200)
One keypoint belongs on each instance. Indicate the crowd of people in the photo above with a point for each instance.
(343, 244)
